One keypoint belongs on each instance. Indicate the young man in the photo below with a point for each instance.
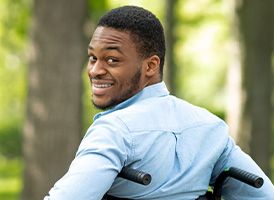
(182, 146)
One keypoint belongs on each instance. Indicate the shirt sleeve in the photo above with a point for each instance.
(100, 157)
(233, 189)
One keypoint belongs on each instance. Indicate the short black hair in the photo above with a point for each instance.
(144, 27)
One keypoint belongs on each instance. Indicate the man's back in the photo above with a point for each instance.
(172, 140)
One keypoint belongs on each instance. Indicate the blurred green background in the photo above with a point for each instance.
(202, 56)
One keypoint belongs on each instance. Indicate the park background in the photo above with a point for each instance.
(219, 56)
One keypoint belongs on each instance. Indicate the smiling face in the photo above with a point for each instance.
(115, 69)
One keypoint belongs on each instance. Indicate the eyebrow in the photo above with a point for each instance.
(108, 48)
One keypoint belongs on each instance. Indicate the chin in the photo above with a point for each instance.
(105, 105)
(102, 106)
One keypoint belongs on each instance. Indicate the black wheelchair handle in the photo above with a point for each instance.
(134, 175)
(246, 177)
(239, 174)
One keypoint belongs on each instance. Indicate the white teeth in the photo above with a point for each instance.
(102, 85)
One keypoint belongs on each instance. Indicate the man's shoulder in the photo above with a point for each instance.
(167, 113)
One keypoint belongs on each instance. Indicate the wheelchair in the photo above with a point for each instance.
(215, 194)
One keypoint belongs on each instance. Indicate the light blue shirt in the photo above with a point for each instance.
(182, 146)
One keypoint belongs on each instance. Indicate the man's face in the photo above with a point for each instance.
(114, 68)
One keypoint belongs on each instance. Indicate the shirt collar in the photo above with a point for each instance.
(155, 90)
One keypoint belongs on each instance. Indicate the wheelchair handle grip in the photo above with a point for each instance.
(134, 175)
(246, 177)
(238, 174)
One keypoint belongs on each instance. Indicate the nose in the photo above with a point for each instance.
(96, 69)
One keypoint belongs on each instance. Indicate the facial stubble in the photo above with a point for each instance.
(135, 88)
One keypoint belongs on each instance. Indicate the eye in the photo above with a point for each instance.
(112, 61)
(92, 58)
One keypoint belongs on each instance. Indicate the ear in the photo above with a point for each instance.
(152, 66)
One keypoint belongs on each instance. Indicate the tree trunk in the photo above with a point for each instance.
(170, 41)
(52, 130)
(234, 103)
(256, 29)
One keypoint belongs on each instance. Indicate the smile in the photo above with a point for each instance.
(100, 89)
(102, 85)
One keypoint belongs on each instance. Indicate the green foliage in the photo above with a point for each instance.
(154, 6)
(14, 21)
(97, 8)
(14, 17)
(10, 139)
(200, 53)
(10, 178)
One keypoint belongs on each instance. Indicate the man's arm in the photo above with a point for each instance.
(100, 158)
(233, 156)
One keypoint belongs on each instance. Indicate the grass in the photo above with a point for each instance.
(10, 178)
